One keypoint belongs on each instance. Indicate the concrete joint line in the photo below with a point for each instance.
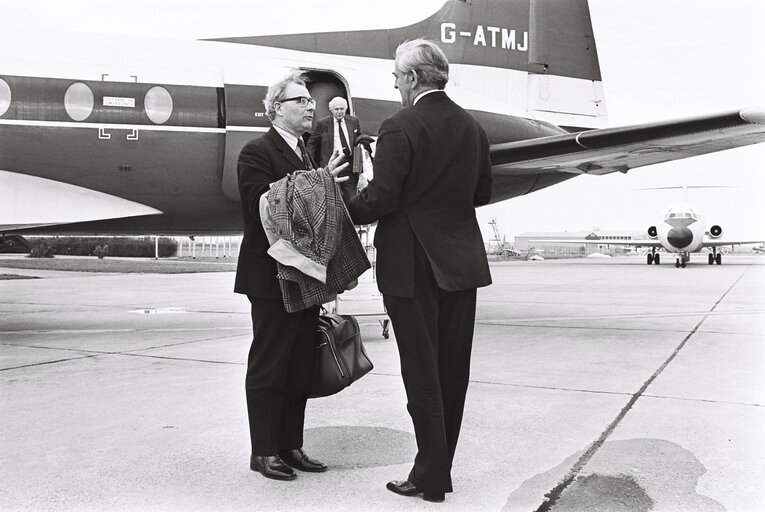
(556, 492)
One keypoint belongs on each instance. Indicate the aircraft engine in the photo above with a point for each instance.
(715, 231)
(652, 232)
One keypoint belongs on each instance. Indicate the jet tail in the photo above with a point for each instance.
(546, 49)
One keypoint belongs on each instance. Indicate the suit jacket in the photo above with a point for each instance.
(322, 139)
(261, 162)
(431, 169)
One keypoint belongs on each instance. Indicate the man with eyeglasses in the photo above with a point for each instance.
(431, 169)
(281, 358)
(334, 133)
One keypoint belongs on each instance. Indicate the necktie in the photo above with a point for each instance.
(343, 140)
(306, 159)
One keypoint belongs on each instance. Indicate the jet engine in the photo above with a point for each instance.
(652, 232)
(715, 231)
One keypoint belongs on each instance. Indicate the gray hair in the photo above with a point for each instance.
(426, 60)
(338, 101)
(276, 91)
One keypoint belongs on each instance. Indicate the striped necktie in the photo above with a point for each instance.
(343, 140)
(306, 158)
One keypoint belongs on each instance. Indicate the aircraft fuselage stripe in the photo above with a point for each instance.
(113, 126)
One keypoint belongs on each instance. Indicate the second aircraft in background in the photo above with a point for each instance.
(681, 230)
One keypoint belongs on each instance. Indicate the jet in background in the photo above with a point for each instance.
(103, 135)
(681, 231)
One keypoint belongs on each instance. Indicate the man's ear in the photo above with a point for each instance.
(415, 78)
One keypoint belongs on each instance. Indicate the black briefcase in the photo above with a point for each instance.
(340, 355)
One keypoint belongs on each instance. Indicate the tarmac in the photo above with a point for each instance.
(597, 384)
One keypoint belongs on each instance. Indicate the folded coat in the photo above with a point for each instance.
(315, 238)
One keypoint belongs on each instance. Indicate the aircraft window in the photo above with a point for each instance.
(78, 101)
(158, 104)
(5, 96)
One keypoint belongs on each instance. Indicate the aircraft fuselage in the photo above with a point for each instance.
(173, 147)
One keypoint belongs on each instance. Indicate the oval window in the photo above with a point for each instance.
(78, 101)
(5, 96)
(158, 104)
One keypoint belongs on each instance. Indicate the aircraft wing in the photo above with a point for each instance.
(721, 243)
(608, 150)
(635, 243)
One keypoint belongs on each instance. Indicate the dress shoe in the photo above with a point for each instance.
(271, 466)
(407, 488)
(299, 460)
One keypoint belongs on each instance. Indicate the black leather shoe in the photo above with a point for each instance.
(407, 488)
(403, 487)
(272, 466)
(299, 460)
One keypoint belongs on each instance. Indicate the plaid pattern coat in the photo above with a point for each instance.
(307, 210)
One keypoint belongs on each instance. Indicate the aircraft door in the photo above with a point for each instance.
(245, 120)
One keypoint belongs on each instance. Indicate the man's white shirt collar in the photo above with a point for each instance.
(419, 96)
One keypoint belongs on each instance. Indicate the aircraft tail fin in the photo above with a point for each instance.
(547, 49)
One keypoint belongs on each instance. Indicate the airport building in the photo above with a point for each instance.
(604, 242)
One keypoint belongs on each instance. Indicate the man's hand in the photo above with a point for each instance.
(335, 167)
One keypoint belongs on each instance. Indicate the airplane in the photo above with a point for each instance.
(681, 231)
(122, 135)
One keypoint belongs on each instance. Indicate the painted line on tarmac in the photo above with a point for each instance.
(555, 493)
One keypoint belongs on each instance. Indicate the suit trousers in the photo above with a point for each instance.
(279, 374)
(434, 333)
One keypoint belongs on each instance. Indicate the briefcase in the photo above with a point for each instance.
(340, 355)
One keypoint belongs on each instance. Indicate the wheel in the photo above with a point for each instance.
(711, 258)
(677, 263)
(650, 258)
(683, 264)
(656, 258)
(718, 258)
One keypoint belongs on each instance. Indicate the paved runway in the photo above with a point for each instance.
(599, 385)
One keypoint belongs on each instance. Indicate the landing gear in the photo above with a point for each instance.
(652, 257)
(682, 260)
(715, 257)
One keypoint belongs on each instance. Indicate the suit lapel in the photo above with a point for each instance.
(287, 152)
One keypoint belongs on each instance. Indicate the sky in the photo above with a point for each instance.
(660, 60)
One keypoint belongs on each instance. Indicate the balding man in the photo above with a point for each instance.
(336, 132)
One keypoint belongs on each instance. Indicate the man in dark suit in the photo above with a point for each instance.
(281, 358)
(431, 169)
(336, 132)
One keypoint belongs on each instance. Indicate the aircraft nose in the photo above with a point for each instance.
(680, 237)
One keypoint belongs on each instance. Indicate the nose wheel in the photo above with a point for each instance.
(682, 260)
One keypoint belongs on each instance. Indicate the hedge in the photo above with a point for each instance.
(140, 247)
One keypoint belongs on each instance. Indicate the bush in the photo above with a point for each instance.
(137, 247)
(41, 250)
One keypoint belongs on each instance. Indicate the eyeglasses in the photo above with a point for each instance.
(304, 102)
